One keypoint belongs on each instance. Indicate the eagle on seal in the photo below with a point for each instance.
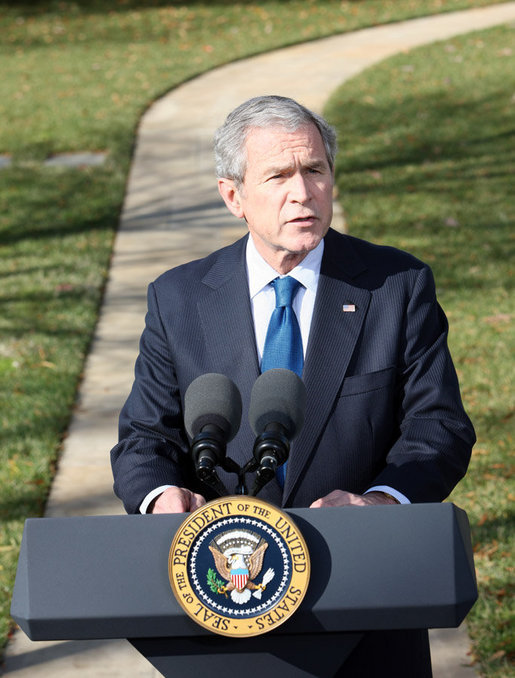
(238, 556)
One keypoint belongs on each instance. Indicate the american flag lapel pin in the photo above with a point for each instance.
(349, 308)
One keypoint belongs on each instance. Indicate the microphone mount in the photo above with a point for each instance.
(208, 451)
(271, 450)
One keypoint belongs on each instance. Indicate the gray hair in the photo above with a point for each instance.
(263, 111)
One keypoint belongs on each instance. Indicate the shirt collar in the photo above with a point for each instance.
(260, 273)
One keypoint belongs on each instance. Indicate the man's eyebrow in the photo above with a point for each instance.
(316, 164)
(272, 170)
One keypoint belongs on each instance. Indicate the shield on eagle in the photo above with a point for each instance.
(239, 577)
(238, 556)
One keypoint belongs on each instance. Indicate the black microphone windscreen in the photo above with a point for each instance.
(278, 397)
(212, 399)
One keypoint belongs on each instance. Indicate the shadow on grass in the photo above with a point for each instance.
(23, 501)
(418, 135)
(487, 534)
(42, 204)
(432, 173)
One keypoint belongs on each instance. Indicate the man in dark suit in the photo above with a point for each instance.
(384, 421)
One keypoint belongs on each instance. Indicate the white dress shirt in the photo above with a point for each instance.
(262, 294)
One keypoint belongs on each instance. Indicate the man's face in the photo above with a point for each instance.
(286, 196)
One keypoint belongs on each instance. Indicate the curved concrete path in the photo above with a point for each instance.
(172, 213)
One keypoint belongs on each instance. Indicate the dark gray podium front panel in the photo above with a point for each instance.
(393, 567)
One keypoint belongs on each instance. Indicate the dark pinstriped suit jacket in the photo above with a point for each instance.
(383, 401)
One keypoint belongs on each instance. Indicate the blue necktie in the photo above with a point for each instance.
(283, 343)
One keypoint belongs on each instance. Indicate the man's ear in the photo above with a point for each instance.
(231, 196)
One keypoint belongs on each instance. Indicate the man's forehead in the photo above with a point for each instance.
(263, 144)
(276, 131)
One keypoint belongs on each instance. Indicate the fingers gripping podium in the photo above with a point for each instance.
(372, 568)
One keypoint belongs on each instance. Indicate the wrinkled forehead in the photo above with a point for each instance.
(277, 145)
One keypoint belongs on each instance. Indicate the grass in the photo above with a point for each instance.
(107, 64)
(77, 76)
(426, 164)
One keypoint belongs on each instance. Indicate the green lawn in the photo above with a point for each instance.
(426, 164)
(77, 76)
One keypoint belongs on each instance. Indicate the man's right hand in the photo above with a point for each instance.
(176, 500)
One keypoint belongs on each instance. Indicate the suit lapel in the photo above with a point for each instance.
(333, 337)
(226, 319)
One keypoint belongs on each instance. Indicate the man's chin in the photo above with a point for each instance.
(287, 253)
(302, 245)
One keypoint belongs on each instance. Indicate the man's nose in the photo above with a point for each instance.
(299, 189)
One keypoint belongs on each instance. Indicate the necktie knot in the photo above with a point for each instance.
(285, 290)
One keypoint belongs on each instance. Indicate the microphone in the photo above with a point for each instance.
(276, 415)
(212, 415)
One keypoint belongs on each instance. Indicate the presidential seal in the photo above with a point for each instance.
(239, 566)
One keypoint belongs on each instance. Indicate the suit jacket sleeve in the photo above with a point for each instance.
(153, 444)
(436, 436)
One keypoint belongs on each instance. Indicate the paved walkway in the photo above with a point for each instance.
(172, 213)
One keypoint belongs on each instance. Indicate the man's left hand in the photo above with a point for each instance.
(342, 498)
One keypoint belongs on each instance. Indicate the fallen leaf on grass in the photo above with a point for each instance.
(479, 451)
(486, 550)
(47, 364)
(64, 287)
(500, 595)
(483, 519)
(497, 319)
